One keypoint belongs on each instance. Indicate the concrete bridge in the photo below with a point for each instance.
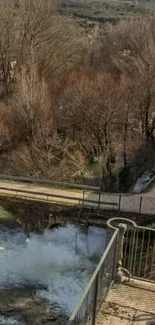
(68, 194)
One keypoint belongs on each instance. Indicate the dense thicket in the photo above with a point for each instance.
(75, 103)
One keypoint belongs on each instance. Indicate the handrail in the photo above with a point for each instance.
(94, 276)
(121, 219)
(134, 203)
(138, 261)
(138, 247)
(57, 196)
(127, 221)
(47, 181)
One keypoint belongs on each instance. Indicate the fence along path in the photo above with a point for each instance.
(75, 194)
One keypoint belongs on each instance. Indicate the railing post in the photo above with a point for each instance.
(122, 230)
(115, 260)
(95, 302)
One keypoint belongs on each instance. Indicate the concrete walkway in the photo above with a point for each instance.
(111, 201)
(129, 304)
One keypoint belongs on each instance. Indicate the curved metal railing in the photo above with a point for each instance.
(138, 248)
(98, 286)
(133, 250)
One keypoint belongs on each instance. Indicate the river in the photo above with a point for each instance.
(58, 263)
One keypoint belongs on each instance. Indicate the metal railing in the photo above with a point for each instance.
(130, 252)
(98, 286)
(133, 203)
(137, 204)
(48, 182)
(138, 256)
(82, 200)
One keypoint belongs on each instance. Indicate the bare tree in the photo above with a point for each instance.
(31, 104)
(89, 108)
(7, 43)
(131, 48)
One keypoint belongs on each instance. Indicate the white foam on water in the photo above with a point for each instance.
(61, 260)
(9, 321)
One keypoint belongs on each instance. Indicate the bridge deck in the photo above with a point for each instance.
(122, 202)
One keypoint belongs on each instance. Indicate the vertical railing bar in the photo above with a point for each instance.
(125, 248)
(106, 286)
(110, 258)
(132, 252)
(87, 301)
(84, 314)
(100, 281)
(95, 301)
(153, 253)
(83, 310)
(130, 249)
(135, 255)
(115, 258)
(141, 253)
(103, 282)
(147, 255)
(99, 289)
(91, 295)
(112, 262)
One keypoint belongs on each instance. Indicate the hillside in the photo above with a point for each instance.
(87, 11)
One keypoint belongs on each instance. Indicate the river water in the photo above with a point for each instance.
(59, 262)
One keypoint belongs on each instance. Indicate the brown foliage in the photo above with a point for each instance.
(31, 106)
(5, 126)
(73, 97)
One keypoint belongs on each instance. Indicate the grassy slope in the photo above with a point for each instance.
(106, 10)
